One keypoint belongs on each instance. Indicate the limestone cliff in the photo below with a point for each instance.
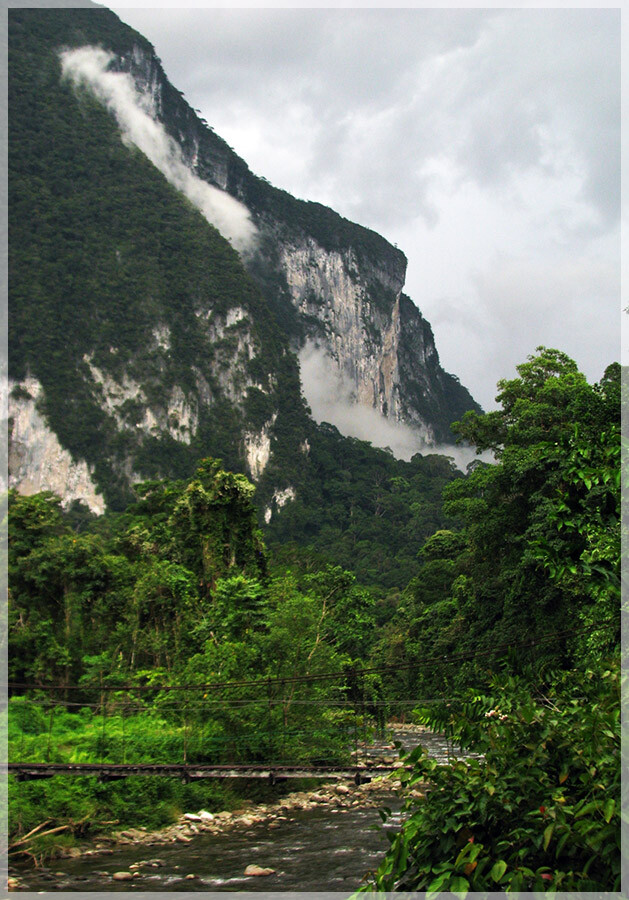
(140, 340)
(344, 282)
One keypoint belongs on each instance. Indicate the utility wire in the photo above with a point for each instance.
(349, 672)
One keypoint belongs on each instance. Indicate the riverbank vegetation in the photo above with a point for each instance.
(170, 633)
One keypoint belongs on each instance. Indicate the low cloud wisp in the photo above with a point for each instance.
(134, 112)
(331, 399)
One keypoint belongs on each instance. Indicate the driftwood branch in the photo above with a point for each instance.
(17, 844)
(36, 828)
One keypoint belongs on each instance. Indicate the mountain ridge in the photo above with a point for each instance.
(138, 340)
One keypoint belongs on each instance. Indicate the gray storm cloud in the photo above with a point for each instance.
(134, 113)
(331, 399)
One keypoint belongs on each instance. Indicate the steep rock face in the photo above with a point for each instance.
(339, 313)
(343, 281)
(37, 461)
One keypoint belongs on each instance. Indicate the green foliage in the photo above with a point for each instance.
(536, 564)
(367, 569)
(175, 589)
(133, 596)
(358, 507)
(538, 810)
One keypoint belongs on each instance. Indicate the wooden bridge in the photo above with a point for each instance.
(114, 772)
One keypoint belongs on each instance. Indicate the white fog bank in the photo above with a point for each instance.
(134, 112)
(330, 398)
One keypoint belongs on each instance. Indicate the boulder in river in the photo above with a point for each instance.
(258, 870)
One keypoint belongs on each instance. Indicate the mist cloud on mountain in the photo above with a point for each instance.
(331, 399)
(134, 112)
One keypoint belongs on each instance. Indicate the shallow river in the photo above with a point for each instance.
(319, 849)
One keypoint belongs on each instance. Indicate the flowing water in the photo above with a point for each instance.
(319, 849)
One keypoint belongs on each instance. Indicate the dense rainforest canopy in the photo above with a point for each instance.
(504, 630)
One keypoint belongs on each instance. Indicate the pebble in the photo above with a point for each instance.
(122, 876)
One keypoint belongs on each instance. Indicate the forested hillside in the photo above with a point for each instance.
(115, 279)
(140, 340)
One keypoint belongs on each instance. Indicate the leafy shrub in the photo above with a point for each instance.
(539, 810)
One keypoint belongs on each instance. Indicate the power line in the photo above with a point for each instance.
(209, 703)
(322, 676)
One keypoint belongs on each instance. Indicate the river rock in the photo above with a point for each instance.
(122, 876)
(192, 817)
(341, 789)
(258, 870)
(183, 839)
(205, 816)
(12, 883)
(191, 876)
(250, 820)
(223, 815)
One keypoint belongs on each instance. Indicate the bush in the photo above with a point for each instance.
(538, 811)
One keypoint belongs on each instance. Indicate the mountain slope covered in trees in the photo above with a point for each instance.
(140, 340)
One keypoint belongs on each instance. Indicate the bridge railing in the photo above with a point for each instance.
(191, 731)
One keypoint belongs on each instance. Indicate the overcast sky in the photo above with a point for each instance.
(485, 143)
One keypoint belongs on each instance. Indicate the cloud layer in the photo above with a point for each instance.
(135, 116)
